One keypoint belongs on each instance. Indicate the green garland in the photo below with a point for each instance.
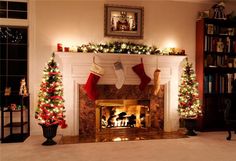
(124, 48)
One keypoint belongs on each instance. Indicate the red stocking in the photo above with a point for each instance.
(139, 70)
(91, 84)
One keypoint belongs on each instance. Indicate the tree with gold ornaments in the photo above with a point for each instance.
(50, 110)
(189, 105)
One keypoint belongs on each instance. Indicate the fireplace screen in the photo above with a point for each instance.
(123, 113)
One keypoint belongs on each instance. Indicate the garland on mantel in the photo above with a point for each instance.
(127, 48)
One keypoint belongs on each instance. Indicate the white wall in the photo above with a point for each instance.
(75, 22)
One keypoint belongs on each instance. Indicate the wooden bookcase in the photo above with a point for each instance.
(215, 69)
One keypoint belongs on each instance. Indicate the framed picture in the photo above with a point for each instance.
(123, 21)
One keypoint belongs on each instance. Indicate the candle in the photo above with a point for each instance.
(59, 47)
(73, 49)
(66, 49)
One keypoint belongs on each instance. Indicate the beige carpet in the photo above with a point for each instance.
(207, 146)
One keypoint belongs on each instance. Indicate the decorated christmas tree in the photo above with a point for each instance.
(50, 110)
(189, 104)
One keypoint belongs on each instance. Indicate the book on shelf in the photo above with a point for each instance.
(228, 45)
(234, 46)
(234, 83)
(211, 84)
(205, 44)
(220, 83)
(229, 83)
(206, 84)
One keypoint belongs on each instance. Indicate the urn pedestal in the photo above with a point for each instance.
(190, 125)
(49, 132)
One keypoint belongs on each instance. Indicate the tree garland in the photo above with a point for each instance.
(126, 48)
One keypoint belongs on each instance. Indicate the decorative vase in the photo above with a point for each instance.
(190, 125)
(49, 132)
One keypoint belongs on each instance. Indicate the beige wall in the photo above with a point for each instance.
(74, 22)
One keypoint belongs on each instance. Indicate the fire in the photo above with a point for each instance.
(123, 113)
(121, 123)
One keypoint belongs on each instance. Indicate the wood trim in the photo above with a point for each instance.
(200, 64)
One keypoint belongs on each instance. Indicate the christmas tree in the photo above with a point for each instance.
(189, 104)
(50, 99)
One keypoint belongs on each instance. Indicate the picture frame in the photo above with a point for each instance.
(123, 21)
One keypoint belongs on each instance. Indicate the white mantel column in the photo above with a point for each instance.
(170, 69)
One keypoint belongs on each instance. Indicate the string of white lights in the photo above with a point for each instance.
(12, 36)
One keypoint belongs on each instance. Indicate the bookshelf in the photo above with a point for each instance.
(215, 69)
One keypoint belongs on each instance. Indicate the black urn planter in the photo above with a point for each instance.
(190, 125)
(49, 132)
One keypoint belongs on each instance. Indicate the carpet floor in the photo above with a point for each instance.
(206, 146)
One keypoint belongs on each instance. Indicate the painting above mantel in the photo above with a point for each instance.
(123, 21)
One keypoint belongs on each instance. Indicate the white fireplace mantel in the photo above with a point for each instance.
(75, 70)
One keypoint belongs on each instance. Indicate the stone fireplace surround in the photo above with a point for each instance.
(75, 70)
(90, 113)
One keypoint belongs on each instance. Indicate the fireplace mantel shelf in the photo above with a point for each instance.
(120, 56)
(76, 68)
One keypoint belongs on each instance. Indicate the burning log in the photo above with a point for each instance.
(131, 121)
(111, 119)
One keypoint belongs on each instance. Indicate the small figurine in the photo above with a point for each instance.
(210, 29)
(23, 90)
(219, 11)
(219, 46)
(7, 91)
(13, 106)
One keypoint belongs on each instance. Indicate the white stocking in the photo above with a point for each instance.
(119, 71)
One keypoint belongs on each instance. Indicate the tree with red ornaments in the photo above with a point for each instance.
(50, 110)
(189, 104)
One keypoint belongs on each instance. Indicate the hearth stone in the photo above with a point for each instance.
(87, 107)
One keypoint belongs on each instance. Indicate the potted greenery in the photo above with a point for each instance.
(50, 110)
(189, 106)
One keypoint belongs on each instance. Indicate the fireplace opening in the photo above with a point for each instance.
(126, 113)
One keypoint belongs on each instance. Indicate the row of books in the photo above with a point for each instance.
(220, 44)
(212, 60)
(218, 83)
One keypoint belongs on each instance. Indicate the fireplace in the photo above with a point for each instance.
(127, 113)
(142, 108)
(81, 112)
